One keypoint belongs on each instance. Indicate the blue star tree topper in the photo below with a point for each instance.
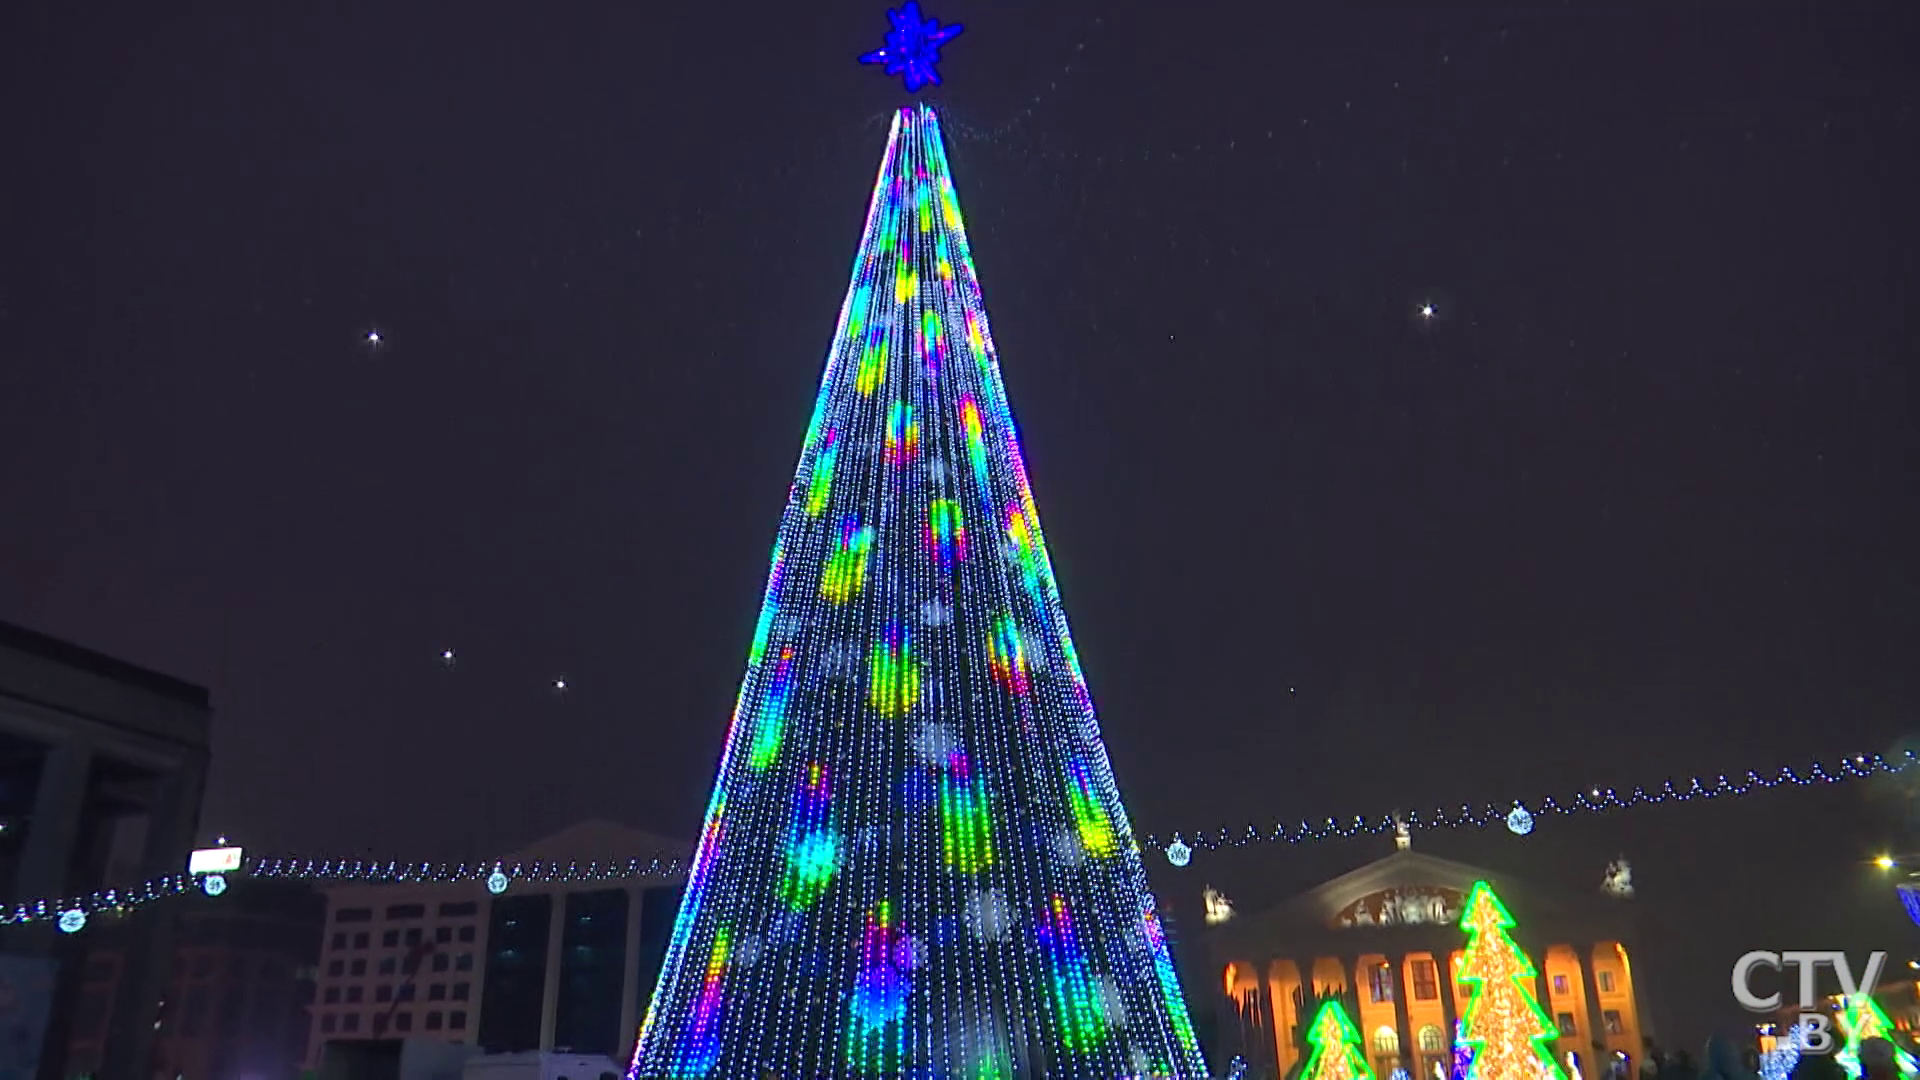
(913, 45)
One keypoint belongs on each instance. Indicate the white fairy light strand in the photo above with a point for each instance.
(345, 871)
(1180, 845)
(664, 867)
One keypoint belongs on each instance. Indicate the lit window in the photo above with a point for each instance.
(1432, 1040)
(1426, 981)
(1386, 1041)
(1606, 982)
(1380, 983)
(1559, 984)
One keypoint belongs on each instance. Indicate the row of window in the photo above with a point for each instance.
(353, 995)
(393, 939)
(460, 909)
(1433, 1041)
(1603, 977)
(349, 1023)
(1426, 982)
(1609, 1019)
(391, 965)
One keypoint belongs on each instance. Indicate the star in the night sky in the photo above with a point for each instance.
(913, 45)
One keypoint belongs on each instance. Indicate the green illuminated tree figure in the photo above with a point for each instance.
(1861, 1019)
(1336, 1047)
(915, 861)
(1504, 1028)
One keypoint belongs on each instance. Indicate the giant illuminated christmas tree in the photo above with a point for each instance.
(915, 861)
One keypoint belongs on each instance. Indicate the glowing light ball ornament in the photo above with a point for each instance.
(912, 51)
(1519, 822)
(1178, 853)
(497, 882)
(72, 921)
(213, 884)
(916, 861)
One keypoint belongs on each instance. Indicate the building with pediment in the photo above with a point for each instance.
(1380, 936)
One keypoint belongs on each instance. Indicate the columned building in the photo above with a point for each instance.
(102, 764)
(1386, 939)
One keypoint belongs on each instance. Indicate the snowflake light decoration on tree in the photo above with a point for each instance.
(913, 45)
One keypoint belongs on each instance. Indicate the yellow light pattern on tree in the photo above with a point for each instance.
(1336, 1047)
(1504, 1027)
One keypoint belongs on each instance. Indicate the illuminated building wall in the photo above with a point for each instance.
(1389, 934)
(540, 966)
(916, 861)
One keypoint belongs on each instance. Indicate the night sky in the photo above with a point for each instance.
(1636, 503)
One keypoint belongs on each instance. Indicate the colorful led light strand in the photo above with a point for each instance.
(965, 895)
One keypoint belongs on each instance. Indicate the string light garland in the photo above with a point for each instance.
(499, 875)
(1523, 816)
(73, 913)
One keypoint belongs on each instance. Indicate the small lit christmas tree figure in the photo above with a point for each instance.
(1336, 1047)
(1861, 1020)
(1504, 1026)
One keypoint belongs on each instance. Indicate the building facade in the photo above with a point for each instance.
(542, 966)
(1386, 938)
(102, 765)
(237, 1000)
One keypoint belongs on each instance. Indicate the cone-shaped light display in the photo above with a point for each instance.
(915, 861)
